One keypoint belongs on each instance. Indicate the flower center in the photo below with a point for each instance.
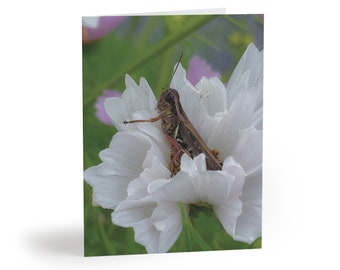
(201, 207)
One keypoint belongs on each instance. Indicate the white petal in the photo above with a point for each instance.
(123, 157)
(133, 99)
(189, 97)
(153, 130)
(91, 22)
(243, 107)
(234, 169)
(153, 170)
(220, 134)
(212, 187)
(108, 190)
(228, 213)
(252, 188)
(181, 188)
(213, 94)
(147, 235)
(156, 225)
(256, 120)
(229, 210)
(129, 212)
(259, 90)
(248, 224)
(252, 60)
(122, 163)
(167, 219)
(248, 227)
(191, 166)
(248, 150)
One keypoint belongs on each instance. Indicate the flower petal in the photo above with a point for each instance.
(198, 164)
(189, 97)
(134, 98)
(191, 187)
(153, 170)
(248, 227)
(256, 120)
(222, 132)
(108, 190)
(252, 188)
(248, 149)
(248, 224)
(156, 225)
(129, 212)
(252, 60)
(100, 110)
(122, 162)
(213, 95)
(167, 219)
(229, 210)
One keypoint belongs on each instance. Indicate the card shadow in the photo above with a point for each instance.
(61, 241)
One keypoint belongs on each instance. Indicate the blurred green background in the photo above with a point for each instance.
(149, 47)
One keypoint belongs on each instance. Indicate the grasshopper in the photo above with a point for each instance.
(180, 133)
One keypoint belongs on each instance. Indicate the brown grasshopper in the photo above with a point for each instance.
(180, 133)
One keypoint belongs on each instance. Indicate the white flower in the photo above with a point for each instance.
(134, 179)
(91, 22)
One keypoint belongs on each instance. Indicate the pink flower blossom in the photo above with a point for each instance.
(100, 110)
(94, 28)
(199, 68)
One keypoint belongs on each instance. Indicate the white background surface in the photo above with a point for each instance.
(41, 138)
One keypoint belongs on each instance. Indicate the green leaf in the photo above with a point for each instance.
(189, 240)
(257, 243)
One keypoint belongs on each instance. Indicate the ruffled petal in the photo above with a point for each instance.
(167, 219)
(153, 170)
(252, 188)
(192, 187)
(213, 95)
(248, 149)
(130, 212)
(230, 209)
(157, 225)
(122, 163)
(248, 227)
(133, 99)
(251, 65)
(108, 190)
(256, 120)
(222, 132)
(189, 97)
(242, 108)
(191, 166)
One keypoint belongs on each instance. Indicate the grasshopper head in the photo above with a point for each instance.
(168, 100)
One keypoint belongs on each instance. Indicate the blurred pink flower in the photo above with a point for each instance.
(199, 68)
(94, 28)
(100, 110)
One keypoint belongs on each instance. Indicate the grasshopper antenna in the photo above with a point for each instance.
(179, 60)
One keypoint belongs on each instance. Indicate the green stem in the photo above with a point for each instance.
(236, 22)
(144, 37)
(161, 47)
(192, 237)
(104, 237)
